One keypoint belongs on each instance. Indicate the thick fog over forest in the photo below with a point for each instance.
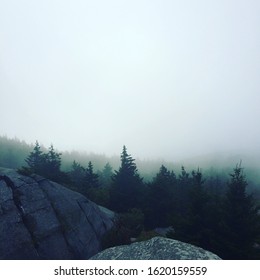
(169, 79)
(147, 111)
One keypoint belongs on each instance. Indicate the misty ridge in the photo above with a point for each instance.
(214, 207)
(152, 107)
(14, 151)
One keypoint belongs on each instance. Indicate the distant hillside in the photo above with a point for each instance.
(13, 153)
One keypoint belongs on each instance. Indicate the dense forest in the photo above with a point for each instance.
(214, 210)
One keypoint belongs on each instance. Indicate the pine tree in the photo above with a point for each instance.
(77, 175)
(45, 164)
(198, 217)
(184, 176)
(53, 161)
(184, 184)
(128, 167)
(106, 175)
(162, 198)
(91, 178)
(165, 177)
(126, 184)
(51, 166)
(241, 221)
(35, 160)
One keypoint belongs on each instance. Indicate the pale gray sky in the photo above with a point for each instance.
(167, 78)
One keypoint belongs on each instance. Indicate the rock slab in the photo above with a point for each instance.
(40, 219)
(157, 248)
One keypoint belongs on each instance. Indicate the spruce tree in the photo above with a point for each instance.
(35, 160)
(198, 216)
(241, 221)
(184, 183)
(77, 174)
(53, 162)
(45, 164)
(125, 191)
(106, 175)
(91, 178)
(51, 166)
(162, 198)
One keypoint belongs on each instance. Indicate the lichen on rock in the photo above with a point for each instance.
(157, 248)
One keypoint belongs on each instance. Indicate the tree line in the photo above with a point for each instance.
(220, 217)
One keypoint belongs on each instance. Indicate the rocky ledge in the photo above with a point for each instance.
(40, 219)
(157, 248)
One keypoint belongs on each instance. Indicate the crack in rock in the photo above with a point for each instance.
(17, 202)
(41, 219)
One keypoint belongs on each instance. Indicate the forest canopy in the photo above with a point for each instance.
(213, 210)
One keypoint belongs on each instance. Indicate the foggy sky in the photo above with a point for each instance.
(168, 79)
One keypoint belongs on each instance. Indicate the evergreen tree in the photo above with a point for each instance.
(128, 168)
(184, 176)
(241, 221)
(51, 166)
(77, 175)
(106, 175)
(13, 153)
(192, 226)
(125, 191)
(35, 160)
(52, 163)
(184, 184)
(165, 177)
(162, 199)
(45, 164)
(91, 178)
(91, 187)
(198, 216)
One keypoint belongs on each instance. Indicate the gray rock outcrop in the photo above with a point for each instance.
(157, 248)
(40, 219)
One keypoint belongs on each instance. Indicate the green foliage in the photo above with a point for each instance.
(146, 235)
(219, 217)
(183, 189)
(44, 164)
(117, 236)
(24, 170)
(195, 228)
(13, 152)
(36, 159)
(161, 199)
(91, 179)
(106, 176)
(100, 196)
(127, 225)
(86, 181)
(227, 225)
(126, 186)
(133, 219)
(51, 166)
(77, 174)
(241, 225)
